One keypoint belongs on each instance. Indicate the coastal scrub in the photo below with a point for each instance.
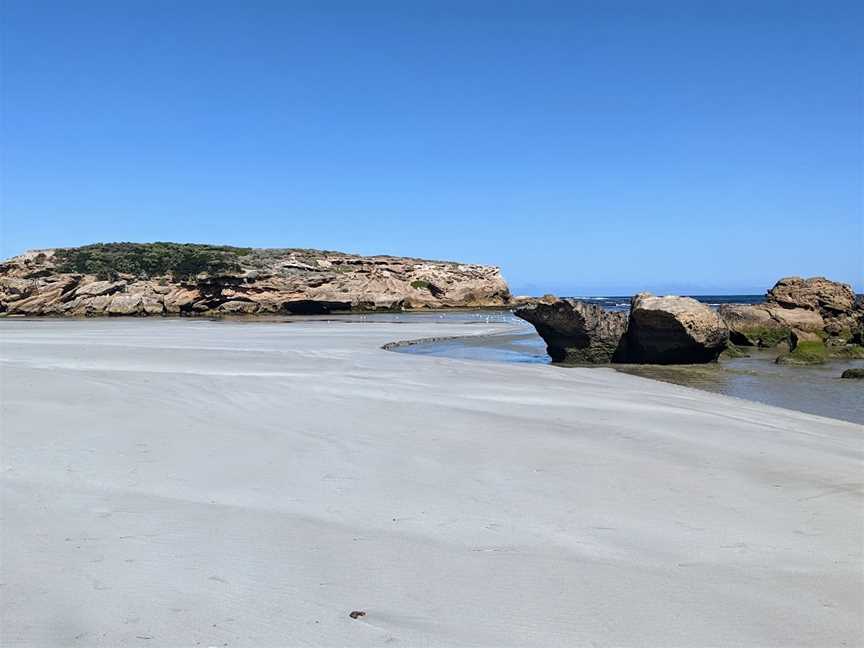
(179, 260)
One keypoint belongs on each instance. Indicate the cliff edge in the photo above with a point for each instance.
(190, 279)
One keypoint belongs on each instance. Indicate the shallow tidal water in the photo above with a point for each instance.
(816, 389)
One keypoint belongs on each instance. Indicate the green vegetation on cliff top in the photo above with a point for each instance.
(181, 260)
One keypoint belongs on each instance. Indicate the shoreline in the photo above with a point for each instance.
(720, 377)
(226, 483)
(252, 317)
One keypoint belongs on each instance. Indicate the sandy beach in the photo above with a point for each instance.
(181, 483)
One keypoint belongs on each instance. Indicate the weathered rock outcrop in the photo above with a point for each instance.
(815, 305)
(765, 325)
(254, 282)
(673, 330)
(796, 337)
(815, 294)
(835, 302)
(811, 319)
(658, 330)
(577, 332)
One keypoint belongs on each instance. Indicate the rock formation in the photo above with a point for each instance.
(796, 337)
(815, 294)
(577, 332)
(835, 302)
(658, 330)
(815, 305)
(812, 319)
(673, 330)
(765, 325)
(163, 279)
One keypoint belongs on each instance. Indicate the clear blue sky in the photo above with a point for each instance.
(585, 147)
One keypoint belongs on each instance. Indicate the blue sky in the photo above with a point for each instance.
(599, 147)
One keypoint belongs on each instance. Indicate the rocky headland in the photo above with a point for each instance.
(808, 321)
(147, 279)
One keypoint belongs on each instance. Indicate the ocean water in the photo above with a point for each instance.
(623, 303)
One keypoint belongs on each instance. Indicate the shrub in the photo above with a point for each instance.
(181, 260)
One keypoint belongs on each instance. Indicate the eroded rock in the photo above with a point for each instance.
(765, 325)
(577, 332)
(96, 288)
(816, 293)
(796, 337)
(125, 304)
(263, 281)
(673, 330)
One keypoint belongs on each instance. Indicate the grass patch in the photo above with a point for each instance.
(420, 284)
(180, 260)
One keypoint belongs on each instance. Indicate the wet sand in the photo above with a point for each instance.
(816, 389)
(181, 483)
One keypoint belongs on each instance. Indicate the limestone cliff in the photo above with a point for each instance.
(179, 279)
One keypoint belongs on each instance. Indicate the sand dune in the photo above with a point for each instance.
(182, 483)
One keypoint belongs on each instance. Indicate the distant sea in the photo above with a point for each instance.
(622, 303)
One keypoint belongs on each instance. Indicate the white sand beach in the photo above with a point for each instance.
(193, 483)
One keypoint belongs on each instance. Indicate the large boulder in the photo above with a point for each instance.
(238, 307)
(96, 288)
(577, 332)
(798, 318)
(125, 304)
(836, 303)
(816, 293)
(673, 330)
(765, 325)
